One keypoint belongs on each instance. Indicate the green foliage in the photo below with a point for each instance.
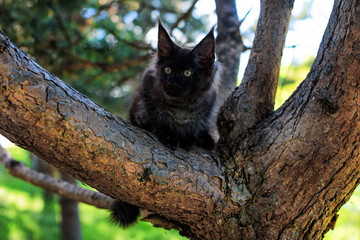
(24, 214)
(97, 46)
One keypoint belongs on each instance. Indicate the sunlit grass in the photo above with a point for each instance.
(22, 215)
(22, 200)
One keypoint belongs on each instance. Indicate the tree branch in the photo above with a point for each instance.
(302, 163)
(45, 116)
(254, 99)
(54, 185)
(262, 72)
(69, 190)
(184, 16)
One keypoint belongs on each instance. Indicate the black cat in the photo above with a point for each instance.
(175, 101)
(178, 93)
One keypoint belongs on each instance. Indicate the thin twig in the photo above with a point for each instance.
(184, 16)
(54, 185)
(243, 19)
(134, 44)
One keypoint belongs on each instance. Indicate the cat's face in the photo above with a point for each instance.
(185, 72)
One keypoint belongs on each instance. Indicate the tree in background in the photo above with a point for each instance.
(98, 47)
(274, 175)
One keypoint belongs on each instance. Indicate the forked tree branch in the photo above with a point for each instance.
(54, 185)
(283, 178)
(301, 164)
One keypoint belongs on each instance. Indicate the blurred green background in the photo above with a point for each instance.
(26, 215)
(100, 47)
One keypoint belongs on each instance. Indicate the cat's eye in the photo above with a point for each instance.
(187, 73)
(167, 70)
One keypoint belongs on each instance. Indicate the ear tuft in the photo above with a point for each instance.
(205, 50)
(165, 44)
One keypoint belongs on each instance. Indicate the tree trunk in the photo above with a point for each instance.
(274, 175)
(70, 221)
(43, 167)
(229, 45)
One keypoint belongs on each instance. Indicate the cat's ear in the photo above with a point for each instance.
(205, 50)
(165, 44)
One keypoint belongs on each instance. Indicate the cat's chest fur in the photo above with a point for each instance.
(182, 116)
(181, 111)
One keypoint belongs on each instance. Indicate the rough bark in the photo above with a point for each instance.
(255, 97)
(285, 173)
(301, 164)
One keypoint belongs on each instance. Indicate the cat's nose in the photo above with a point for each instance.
(173, 84)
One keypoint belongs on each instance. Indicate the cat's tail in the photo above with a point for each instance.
(124, 214)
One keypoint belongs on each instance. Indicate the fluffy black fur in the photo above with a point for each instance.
(176, 107)
(124, 214)
(175, 101)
